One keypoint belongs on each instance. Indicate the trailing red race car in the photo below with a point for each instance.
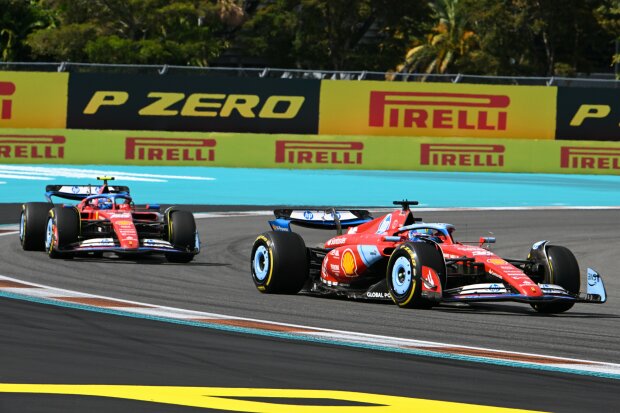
(415, 264)
(105, 220)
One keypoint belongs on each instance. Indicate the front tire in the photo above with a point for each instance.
(182, 234)
(32, 225)
(404, 272)
(563, 270)
(279, 263)
(62, 229)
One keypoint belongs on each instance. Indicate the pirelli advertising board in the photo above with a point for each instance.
(193, 103)
(33, 100)
(588, 114)
(437, 110)
(307, 152)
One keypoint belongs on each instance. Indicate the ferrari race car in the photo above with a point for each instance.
(105, 220)
(415, 264)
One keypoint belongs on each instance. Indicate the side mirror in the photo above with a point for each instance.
(486, 240)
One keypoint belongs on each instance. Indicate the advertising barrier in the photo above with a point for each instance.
(588, 114)
(33, 100)
(312, 152)
(193, 103)
(438, 110)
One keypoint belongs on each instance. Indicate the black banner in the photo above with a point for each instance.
(588, 114)
(193, 103)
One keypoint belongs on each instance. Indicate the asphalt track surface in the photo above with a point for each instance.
(130, 351)
(49, 344)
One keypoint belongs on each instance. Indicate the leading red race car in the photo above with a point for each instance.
(105, 220)
(415, 264)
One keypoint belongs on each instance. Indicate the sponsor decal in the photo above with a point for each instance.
(319, 152)
(123, 215)
(336, 241)
(182, 103)
(33, 100)
(593, 278)
(494, 288)
(32, 147)
(588, 114)
(170, 149)
(385, 224)
(496, 261)
(452, 154)
(308, 215)
(208, 105)
(349, 266)
(481, 253)
(575, 157)
(6, 103)
(428, 110)
(377, 294)
(124, 223)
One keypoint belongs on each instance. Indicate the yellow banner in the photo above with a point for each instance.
(437, 110)
(62, 146)
(33, 99)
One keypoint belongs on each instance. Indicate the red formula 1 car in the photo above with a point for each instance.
(105, 220)
(415, 264)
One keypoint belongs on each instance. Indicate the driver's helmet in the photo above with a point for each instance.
(423, 234)
(105, 203)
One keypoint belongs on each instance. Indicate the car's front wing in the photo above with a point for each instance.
(112, 245)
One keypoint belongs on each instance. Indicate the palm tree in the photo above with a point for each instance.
(448, 41)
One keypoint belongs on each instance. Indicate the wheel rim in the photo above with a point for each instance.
(401, 276)
(261, 263)
(49, 234)
(197, 243)
(22, 227)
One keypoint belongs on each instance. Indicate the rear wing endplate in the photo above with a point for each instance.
(79, 192)
(318, 218)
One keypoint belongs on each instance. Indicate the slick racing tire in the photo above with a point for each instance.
(562, 270)
(62, 229)
(32, 225)
(279, 263)
(182, 234)
(404, 273)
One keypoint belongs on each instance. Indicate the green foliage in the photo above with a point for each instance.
(494, 37)
(18, 18)
(336, 34)
(132, 31)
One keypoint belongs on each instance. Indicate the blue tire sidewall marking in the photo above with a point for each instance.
(49, 234)
(261, 254)
(22, 226)
(401, 264)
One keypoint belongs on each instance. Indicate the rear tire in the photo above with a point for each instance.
(182, 234)
(404, 272)
(62, 229)
(279, 263)
(32, 225)
(563, 270)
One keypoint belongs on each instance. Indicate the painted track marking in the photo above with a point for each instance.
(236, 399)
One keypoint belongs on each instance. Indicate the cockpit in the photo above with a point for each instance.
(439, 233)
(109, 202)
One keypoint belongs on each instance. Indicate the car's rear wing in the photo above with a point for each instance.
(79, 192)
(329, 218)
